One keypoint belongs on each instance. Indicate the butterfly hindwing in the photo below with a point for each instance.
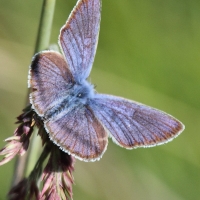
(79, 37)
(78, 132)
(132, 124)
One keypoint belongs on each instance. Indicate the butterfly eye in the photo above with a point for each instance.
(80, 95)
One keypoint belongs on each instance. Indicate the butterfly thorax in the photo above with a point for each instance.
(78, 95)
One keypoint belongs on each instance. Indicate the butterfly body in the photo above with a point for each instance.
(78, 94)
(78, 119)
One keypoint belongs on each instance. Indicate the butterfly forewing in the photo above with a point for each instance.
(132, 124)
(50, 80)
(78, 132)
(79, 37)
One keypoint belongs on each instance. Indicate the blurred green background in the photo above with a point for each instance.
(149, 51)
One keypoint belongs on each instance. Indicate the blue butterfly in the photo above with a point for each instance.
(78, 119)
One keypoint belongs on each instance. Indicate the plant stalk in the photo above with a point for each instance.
(25, 164)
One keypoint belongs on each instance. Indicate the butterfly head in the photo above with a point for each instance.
(82, 91)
